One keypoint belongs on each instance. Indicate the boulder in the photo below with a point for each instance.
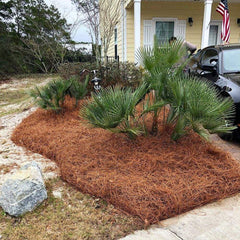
(23, 191)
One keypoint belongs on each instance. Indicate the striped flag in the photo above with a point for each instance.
(222, 8)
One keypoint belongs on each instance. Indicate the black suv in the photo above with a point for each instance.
(220, 65)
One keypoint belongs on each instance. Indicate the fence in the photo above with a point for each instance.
(112, 59)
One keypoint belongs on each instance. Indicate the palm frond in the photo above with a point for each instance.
(201, 107)
(114, 109)
(51, 96)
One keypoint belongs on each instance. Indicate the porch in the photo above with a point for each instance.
(194, 21)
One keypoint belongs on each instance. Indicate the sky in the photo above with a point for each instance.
(68, 11)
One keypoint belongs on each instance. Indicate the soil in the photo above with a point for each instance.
(152, 177)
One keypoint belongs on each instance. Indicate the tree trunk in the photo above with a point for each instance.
(105, 57)
(155, 124)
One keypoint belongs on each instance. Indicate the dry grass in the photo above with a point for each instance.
(6, 168)
(14, 97)
(75, 216)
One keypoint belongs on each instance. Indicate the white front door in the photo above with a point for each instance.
(215, 33)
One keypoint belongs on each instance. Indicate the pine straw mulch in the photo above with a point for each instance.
(152, 177)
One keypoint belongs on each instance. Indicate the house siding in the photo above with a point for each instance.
(111, 49)
(130, 35)
(179, 10)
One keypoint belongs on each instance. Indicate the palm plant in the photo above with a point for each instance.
(114, 109)
(193, 104)
(161, 63)
(51, 96)
(78, 89)
(196, 105)
(162, 58)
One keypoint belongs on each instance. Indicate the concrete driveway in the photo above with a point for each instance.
(216, 221)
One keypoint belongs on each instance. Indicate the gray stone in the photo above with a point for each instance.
(23, 191)
(57, 193)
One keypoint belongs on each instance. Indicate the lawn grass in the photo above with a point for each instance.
(14, 97)
(74, 216)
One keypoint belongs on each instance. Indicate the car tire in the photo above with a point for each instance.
(226, 136)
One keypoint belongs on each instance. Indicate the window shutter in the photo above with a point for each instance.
(181, 29)
(148, 33)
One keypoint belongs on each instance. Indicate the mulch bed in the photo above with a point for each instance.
(152, 177)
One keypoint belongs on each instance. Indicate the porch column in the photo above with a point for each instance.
(137, 25)
(206, 22)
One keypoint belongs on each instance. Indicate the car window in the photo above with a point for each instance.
(209, 57)
(231, 60)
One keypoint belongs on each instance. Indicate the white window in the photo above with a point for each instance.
(213, 32)
(115, 36)
(164, 29)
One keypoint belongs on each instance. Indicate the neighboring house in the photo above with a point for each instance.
(193, 20)
(86, 47)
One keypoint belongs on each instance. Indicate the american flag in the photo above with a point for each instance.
(222, 8)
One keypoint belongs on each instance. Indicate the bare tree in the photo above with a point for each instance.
(109, 18)
(90, 11)
(105, 12)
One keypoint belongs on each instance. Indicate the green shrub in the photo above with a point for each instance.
(193, 104)
(51, 96)
(124, 74)
(196, 105)
(114, 109)
(78, 89)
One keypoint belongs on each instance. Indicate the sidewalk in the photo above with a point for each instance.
(216, 221)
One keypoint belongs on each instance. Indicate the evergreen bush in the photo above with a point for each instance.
(124, 74)
(192, 104)
(52, 96)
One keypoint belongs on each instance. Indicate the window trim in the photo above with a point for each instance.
(175, 20)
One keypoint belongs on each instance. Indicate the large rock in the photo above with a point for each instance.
(23, 191)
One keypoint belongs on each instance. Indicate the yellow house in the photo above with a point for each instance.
(195, 21)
